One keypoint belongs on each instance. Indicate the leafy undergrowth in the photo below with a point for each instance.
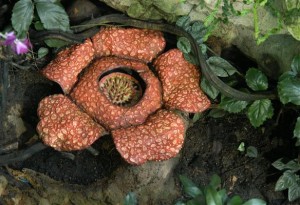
(212, 147)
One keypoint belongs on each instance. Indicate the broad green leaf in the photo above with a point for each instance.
(197, 26)
(251, 152)
(222, 193)
(215, 181)
(55, 43)
(184, 22)
(297, 130)
(210, 90)
(130, 199)
(289, 90)
(42, 52)
(255, 202)
(213, 197)
(296, 64)
(259, 111)
(184, 45)
(52, 15)
(189, 187)
(256, 80)
(293, 165)
(198, 31)
(232, 105)
(288, 74)
(22, 15)
(278, 164)
(236, 200)
(221, 67)
(216, 113)
(285, 181)
(294, 192)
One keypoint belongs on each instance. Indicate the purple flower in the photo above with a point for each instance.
(9, 38)
(17, 45)
(21, 47)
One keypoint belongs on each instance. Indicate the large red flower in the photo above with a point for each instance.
(110, 88)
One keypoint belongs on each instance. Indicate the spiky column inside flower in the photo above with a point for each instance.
(99, 104)
(121, 89)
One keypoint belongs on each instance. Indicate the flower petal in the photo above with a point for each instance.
(20, 47)
(159, 138)
(64, 127)
(129, 43)
(9, 38)
(180, 82)
(68, 63)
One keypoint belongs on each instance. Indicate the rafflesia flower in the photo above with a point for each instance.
(17, 45)
(109, 87)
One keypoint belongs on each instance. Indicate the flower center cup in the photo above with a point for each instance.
(121, 89)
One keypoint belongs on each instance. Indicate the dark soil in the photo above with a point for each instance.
(211, 148)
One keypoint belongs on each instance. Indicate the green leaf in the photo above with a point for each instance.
(222, 193)
(293, 165)
(297, 131)
(38, 26)
(52, 15)
(210, 90)
(241, 147)
(296, 64)
(203, 48)
(42, 52)
(197, 26)
(215, 181)
(232, 105)
(259, 111)
(198, 200)
(196, 117)
(130, 199)
(251, 152)
(183, 22)
(285, 181)
(22, 15)
(184, 45)
(255, 202)
(278, 164)
(289, 90)
(189, 187)
(55, 43)
(294, 192)
(216, 113)
(198, 31)
(256, 80)
(236, 200)
(288, 74)
(190, 58)
(213, 197)
(221, 67)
